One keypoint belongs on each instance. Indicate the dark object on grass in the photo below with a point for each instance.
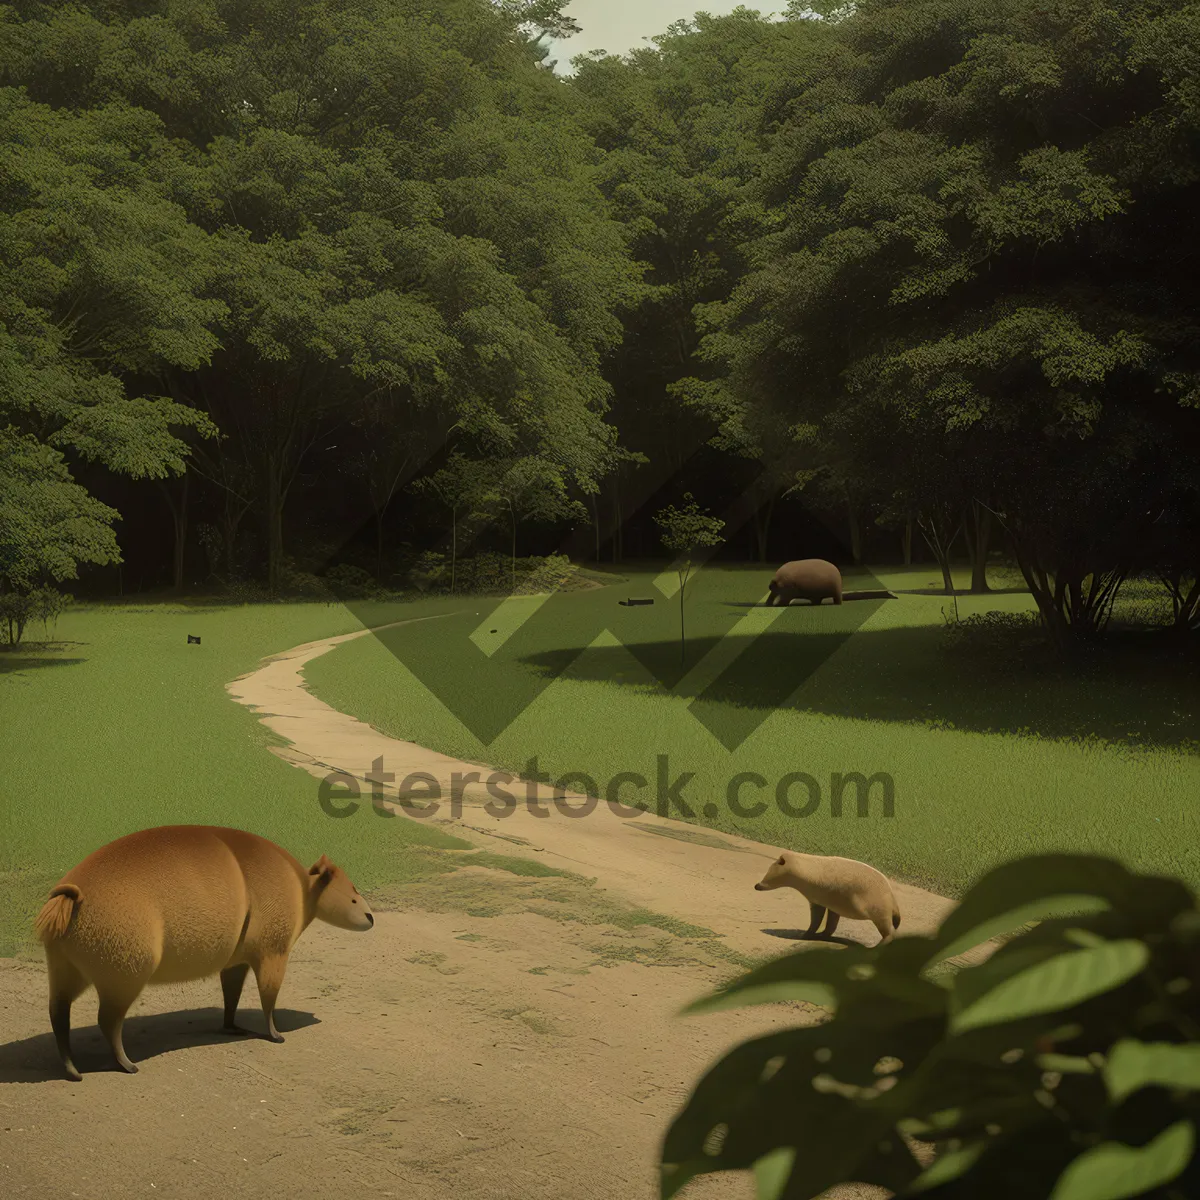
(847, 596)
(631, 601)
(193, 640)
(811, 579)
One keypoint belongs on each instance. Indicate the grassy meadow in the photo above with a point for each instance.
(120, 724)
(123, 725)
(992, 753)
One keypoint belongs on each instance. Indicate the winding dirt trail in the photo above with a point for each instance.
(668, 866)
(498, 1036)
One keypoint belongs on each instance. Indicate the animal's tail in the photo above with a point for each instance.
(56, 914)
(895, 920)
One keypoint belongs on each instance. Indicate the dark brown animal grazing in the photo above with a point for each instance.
(811, 579)
(177, 903)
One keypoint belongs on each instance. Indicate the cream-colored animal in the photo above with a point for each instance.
(177, 903)
(840, 885)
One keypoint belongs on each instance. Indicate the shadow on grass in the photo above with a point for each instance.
(1142, 690)
(35, 1059)
(11, 664)
(992, 591)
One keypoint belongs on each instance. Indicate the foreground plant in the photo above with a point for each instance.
(1066, 1065)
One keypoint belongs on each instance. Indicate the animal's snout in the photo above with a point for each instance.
(370, 918)
(760, 887)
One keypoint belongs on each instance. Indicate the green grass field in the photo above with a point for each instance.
(990, 757)
(124, 726)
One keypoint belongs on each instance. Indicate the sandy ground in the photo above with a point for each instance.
(515, 1037)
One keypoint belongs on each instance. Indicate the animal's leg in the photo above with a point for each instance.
(67, 984)
(884, 925)
(818, 915)
(831, 925)
(269, 973)
(114, 1004)
(232, 979)
(838, 598)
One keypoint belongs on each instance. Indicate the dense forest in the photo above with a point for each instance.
(289, 291)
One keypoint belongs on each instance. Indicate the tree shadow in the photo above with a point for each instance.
(1138, 691)
(992, 591)
(802, 935)
(35, 1059)
(11, 664)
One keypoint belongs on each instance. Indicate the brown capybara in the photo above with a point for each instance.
(177, 903)
(805, 579)
(842, 886)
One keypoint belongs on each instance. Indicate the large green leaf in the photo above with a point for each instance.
(946, 1167)
(1112, 1171)
(798, 976)
(731, 1094)
(1061, 982)
(761, 1098)
(1013, 919)
(771, 1174)
(834, 978)
(1046, 885)
(1132, 1065)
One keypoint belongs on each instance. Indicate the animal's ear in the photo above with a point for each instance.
(782, 861)
(322, 864)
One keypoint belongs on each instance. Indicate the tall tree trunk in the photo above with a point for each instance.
(936, 529)
(906, 538)
(274, 526)
(855, 533)
(762, 528)
(231, 521)
(981, 543)
(619, 521)
(179, 520)
(380, 505)
(181, 526)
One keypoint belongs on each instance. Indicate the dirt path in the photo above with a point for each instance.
(508, 1037)
(668, 866)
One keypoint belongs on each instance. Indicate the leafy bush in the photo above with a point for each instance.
(246, 591)
(550, 574)
(18, 608)
(430, 572)
(1067, 1064)
(994, 634)
(489, 573)
(484, 574)
(350, 583)
(298, 584)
